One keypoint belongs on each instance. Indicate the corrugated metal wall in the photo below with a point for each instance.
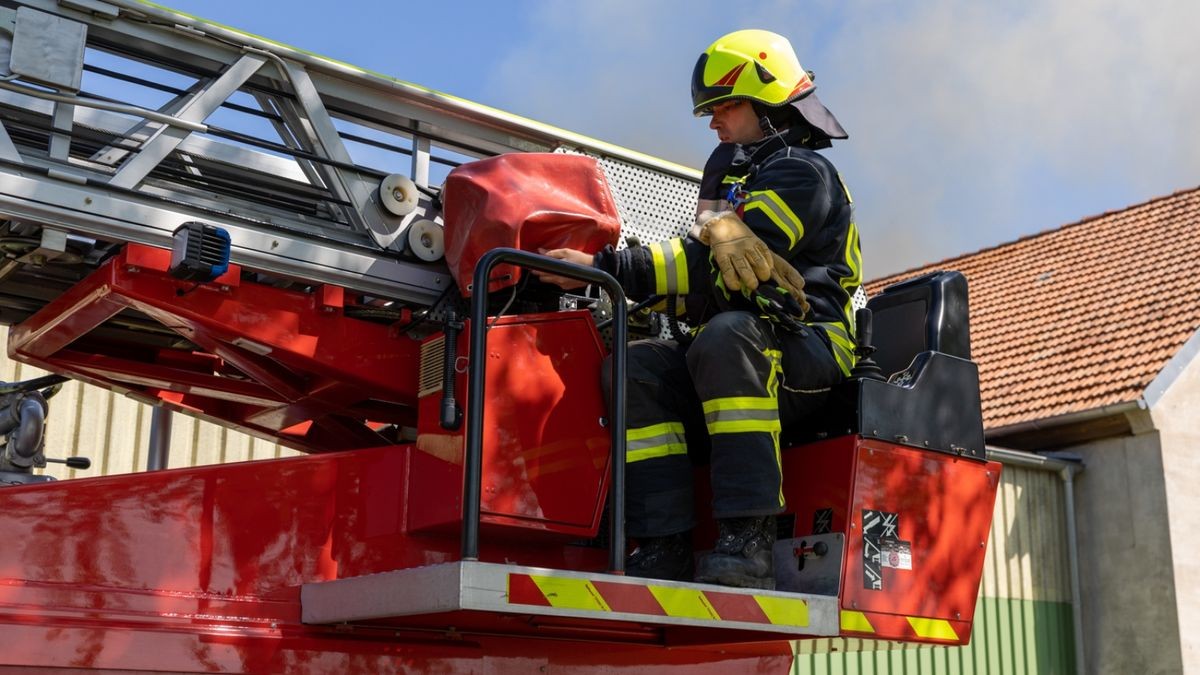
(114, 431)
(1023, 616)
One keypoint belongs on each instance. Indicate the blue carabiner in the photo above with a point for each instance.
(735, 196)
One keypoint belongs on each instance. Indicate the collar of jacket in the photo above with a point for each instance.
(747, 157)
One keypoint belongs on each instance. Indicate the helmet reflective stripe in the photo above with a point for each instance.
(721, 73)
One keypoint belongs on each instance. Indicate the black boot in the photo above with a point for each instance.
(742, 556)
(668, 557)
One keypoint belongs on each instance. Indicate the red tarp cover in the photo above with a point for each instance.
(526, 201)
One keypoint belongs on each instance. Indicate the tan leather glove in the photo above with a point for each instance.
(788, 278)
(744, 260)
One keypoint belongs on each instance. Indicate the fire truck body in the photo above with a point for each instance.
(460, 505)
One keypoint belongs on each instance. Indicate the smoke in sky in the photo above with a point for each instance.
(972, 123)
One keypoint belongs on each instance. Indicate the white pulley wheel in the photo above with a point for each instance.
(426, 241)
(398, 194)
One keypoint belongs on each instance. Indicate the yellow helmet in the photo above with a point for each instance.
(757, 65)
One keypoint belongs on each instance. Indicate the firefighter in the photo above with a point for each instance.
(768, 273)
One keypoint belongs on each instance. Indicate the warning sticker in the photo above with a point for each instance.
(895, 553)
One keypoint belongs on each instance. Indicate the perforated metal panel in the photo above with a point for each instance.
(859, 300)
(653, 205)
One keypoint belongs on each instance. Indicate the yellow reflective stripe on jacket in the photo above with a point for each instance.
(742, 414)
(777, 210)
(773, 380)
(850, 283)
(656, 440)
(845, 190)
(670, 267)
(843, 345)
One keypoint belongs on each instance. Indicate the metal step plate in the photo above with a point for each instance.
(510, 589)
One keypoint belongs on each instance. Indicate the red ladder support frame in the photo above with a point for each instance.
(280, 364)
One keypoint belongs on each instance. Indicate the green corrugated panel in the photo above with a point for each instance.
(1010, 637)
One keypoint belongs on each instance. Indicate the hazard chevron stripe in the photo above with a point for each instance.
(925, 629)
(655, 600)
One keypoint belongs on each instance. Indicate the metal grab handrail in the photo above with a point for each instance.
(473, 460)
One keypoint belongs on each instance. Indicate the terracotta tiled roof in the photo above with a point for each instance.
(1082, 316)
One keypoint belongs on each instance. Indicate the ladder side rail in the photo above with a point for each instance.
(481, 122)
(129, 217)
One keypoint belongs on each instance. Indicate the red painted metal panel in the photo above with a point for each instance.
(943, 509)
(267, 360)
(545, 448)
(819, 477)
(198, 570)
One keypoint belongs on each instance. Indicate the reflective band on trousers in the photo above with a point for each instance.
(741, 414)
(779, 213)
(657, 440)
(670, 267)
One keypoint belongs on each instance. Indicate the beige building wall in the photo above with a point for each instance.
(114, 431)
(1127, 576)
(1176, 416)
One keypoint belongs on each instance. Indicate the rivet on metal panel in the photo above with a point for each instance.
(958, 615)
(87, 200)
(603, 421)
(901, 438)
(982, 544)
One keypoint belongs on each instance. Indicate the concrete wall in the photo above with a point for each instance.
(1127, 573)
(1176, 416)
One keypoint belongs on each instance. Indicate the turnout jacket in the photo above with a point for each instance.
(793, 199)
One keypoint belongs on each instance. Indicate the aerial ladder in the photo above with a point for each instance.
(222, 226)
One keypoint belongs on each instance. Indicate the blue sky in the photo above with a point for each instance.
(971, 123)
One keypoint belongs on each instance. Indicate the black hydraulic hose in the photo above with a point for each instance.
(451, 417)
(677, 332)
(30, 385)
(24, 423)
(27, 439)
(473, 462)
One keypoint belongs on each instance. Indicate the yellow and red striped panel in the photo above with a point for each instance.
(898, 627)
(653, 600)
